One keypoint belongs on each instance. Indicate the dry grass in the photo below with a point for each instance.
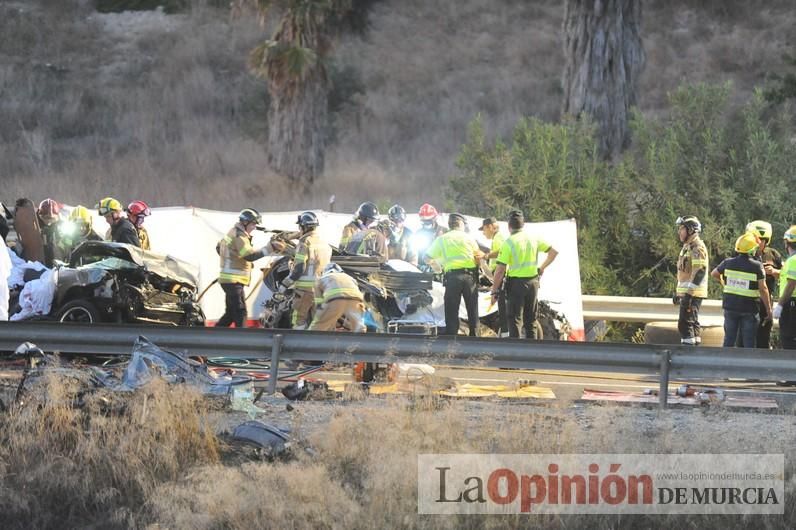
(162, 108)
(66, 467)
(158, 464)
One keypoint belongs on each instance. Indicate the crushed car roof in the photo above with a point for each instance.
(165, 266)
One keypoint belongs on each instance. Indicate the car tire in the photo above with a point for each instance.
(78, 311)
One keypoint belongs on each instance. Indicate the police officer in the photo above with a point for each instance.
(236, 255)
(785, 310)
(692, 279)
(365, 215)
(339, 297)
(491, 230)
(518, 261)
(743, 280)
(457, 253)
(312, 255)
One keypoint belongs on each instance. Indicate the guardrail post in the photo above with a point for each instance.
(276, 351)
(663, 391)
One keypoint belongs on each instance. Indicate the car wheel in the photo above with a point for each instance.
(78, 311)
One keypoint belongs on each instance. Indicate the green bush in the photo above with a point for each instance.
(703, 158)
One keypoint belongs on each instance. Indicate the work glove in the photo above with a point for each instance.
(777, 311)
(676, 299)
(288, 282)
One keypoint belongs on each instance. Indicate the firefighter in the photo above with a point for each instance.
(365, 215)
(49, 214)
(491, 230)
(430, 230)
(371, 242)
(457, 253)
(744, 286)
(122, 230)
(692, 279)
(518, 262)
(785, 310)
(77, 229)
(772, 263)
(338, 297)
(312, 256)
(236, 255)
(137, 211)
(399, 245)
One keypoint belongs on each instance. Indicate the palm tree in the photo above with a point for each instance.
(292, 62)
(604, 60)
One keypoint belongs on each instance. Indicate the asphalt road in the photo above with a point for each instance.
(569, 386)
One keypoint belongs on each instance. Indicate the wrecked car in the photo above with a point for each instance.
(120, 283)
(399, 298)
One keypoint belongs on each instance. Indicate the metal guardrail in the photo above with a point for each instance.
(684, 362)
(642, 309)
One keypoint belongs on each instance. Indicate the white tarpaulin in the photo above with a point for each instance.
(5, 271)
(191, 234)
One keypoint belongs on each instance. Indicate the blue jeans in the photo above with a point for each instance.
(736, 322)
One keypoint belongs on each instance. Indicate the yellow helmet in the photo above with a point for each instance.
(790, 234)
(761, 228)
(81, 213)
(108, 205)
(747, 243)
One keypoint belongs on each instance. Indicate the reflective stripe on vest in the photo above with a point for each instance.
(524, 255)
(740, 283)
(457, 251)
(230, 272)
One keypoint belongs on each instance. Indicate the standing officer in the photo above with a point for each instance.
(518, 261)
(312, 255)
(236, 255)
(457, 253)
(785, 310)
(692, 279)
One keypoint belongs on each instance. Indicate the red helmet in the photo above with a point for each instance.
(137, 208)
(428, 212)
(49, 210)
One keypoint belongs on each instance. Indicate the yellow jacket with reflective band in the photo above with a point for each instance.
(740, 283)
(497, 242)
(334, 286)
(348, 232)
(235, 246)
(453, 250)
(693, 258)
(520, 254)
(143, 237)
(315, 253)
(788, 272)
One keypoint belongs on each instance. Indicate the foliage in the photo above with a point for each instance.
(701, 159)
(784, 85)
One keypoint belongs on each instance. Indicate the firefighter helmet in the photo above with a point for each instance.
(397, 214)
(428, 212)
(761, 228)
(81, 214)
(109, 205)
(137, 208)
(690, 222)
(49, 210)
(747, 244)
(250, 215)
(790, 234)
(367, 211)
(307, 220)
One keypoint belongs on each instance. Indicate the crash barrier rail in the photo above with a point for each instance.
(665, 361)
(642, 309)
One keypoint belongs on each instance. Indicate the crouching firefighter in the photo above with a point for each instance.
(339, 297)
(236, 255)
(312, 255)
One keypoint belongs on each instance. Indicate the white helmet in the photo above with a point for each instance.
(332, 267)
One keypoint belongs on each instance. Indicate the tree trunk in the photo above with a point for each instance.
(297, 124)
(604, 59)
